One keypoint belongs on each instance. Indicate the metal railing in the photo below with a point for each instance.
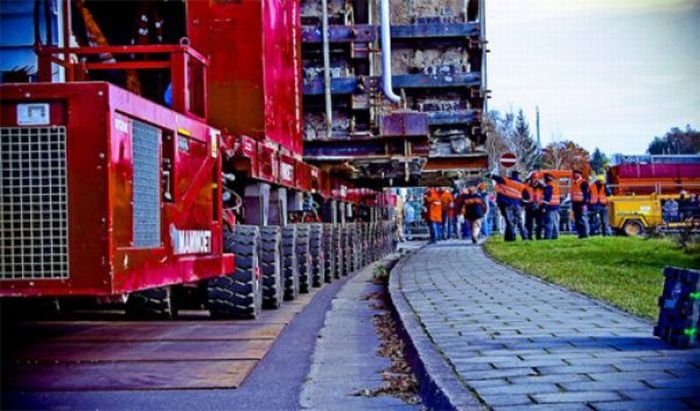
(186, 66)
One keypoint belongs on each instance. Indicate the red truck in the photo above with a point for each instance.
(111, 190)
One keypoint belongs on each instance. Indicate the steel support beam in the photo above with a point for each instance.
(422, 31)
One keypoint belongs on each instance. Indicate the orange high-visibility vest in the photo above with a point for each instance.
(434, 207)
(447, 200)
(598, 196)
(511, 189)
(536, 194)
(576, 191)
(556, 193)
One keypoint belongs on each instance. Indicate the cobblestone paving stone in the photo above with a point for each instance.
(521, 343)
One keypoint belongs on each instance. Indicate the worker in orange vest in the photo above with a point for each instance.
(551, 199)
(532, 202)
(473, 209)
(579, 202)
(433, 206)
(448, 214)
(509, 194)
(598, 206)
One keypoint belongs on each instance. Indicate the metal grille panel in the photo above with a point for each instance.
(146, 143)
(33, 203)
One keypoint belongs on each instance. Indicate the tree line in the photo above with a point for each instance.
(510, 132)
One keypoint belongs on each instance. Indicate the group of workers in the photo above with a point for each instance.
(443, 210)
(529, 208)
(540, 196)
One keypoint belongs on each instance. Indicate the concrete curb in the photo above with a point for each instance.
(440, 387)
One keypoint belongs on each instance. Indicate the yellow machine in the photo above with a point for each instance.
(633, 215)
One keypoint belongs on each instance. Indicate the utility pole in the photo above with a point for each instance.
(539, 145)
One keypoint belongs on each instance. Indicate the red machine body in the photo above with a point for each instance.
(142, 194)
(662, 178)
(254, 47)
(91, 242)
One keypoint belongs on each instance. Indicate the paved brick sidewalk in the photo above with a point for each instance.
(520, 343)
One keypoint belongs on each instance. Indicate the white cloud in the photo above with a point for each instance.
(611, 74)
(568, 6)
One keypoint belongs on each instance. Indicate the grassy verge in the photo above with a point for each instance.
(626, 272)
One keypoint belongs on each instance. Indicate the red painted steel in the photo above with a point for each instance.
(325, 183)
(302, 175)
(287, 171)
(651, 178)
(673, 171)
(253, 64)
(255, 74)
(102, 259)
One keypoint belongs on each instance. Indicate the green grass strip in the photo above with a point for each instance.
(625, 272)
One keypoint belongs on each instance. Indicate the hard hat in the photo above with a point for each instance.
(600, 178)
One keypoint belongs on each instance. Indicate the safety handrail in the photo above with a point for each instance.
(188, 74)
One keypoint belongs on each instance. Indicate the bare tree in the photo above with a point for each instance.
(565, 155)
(497, 136)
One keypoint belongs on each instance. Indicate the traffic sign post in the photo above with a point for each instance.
(508, 160)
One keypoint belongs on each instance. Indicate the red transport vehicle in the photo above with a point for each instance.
(650, 177)
(156, 168)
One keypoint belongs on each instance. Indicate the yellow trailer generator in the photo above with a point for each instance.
(635, 214)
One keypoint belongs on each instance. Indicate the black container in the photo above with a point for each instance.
(679, 314)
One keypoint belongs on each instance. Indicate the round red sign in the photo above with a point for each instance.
(508, 160)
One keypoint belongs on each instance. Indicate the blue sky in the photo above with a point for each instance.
(611, 74)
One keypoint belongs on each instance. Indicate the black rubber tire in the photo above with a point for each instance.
(372, 241)
(329, 253)
(387, 235)
(339, 252)
(349, 248)
(347, 254)
(289, 263)
(391, 238)
(378, 241)
(356, 252)
(156, 303)
(239, 294)
(633, 228)
(303, 257)
(362, 241)
(271, 267)
(316, 250)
